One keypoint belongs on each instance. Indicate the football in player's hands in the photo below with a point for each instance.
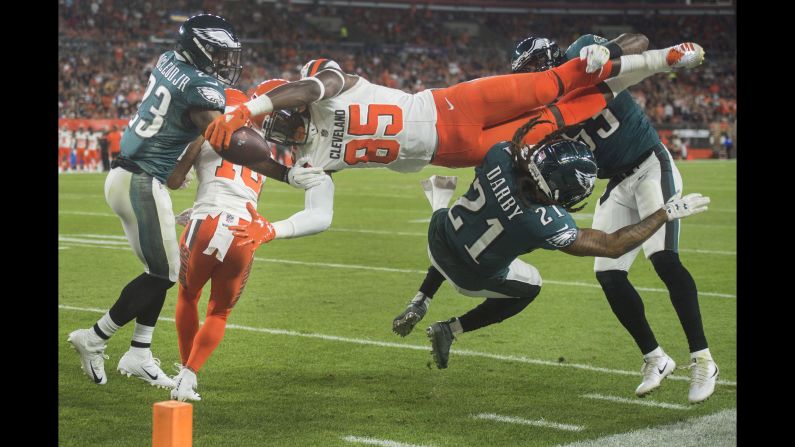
(246, 147)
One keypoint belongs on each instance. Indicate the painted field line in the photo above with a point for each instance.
(384, 344)
(714, 429)
(118, 245)
(644, 402)
(379, 442)
(536, 423)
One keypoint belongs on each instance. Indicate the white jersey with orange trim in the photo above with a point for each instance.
(223, 186)
(371, 126)
(65, 139)
(93, 141)
(81, 138)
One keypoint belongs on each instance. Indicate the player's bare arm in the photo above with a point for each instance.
(202, 118)
(613, 245)
(325, 84)
(591, 242)
(177, 177)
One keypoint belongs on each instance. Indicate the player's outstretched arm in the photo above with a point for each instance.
(316, 216)
(325, 84)
(591, 242)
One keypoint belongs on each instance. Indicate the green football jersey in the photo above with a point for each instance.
(621, 133)
(489, 226)
(162, 129)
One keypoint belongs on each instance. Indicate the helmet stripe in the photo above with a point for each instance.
(316, 66)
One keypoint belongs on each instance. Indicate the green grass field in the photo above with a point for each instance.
(309, 358)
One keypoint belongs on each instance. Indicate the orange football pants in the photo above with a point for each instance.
(472, 116)
(228, 281)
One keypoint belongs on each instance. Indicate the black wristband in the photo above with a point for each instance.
(286, 178)
(615, 50)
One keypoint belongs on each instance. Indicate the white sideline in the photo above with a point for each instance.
(536, 423)
(644, 402)
(380, 442)
(462, 352)
(78, 242)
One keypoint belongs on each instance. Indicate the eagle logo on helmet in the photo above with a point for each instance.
(586, 180)
(217, 36)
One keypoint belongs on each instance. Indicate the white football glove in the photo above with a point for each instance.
(678, 208)
(596, 56)
(184, 217)
(305, 178)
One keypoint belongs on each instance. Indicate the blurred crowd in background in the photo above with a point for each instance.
(107, 48)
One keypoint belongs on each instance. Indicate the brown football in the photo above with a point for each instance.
(246, 147)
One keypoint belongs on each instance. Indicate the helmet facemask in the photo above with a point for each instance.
(543, 55)
(287, 127)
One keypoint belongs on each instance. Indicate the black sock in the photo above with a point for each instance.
(493, 310)
(628, 307)
(684, 296)
(433, 280)
(137, 296)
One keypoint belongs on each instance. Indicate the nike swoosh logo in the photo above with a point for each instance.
(96, 379)
(147, 373)
(663, 368)
(449, 103)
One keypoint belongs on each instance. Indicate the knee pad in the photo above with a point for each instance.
(610, 279)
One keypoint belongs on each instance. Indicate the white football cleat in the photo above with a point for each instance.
(654, 370)
(144, 366)
(685, 55)
(703, 376)
(185, 388)
(92, 353)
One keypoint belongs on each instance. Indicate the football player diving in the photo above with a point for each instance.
(339, 121)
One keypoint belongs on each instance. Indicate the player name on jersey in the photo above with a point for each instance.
(503, 195)
(171, 72)
(337, 135)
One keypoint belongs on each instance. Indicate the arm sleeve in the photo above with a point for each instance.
(316, 215)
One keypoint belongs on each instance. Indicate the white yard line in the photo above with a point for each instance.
(379, 442)
(534, 422)
(364, 341)
(643, 402)
(81, 242)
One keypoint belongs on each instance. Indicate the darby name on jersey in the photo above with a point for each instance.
(172, 73)
(338, 133)
(503, 195)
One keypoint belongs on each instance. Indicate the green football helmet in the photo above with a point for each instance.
(536, 54)
(564, 170)
(210, 44)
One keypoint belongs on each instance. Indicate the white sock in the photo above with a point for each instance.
(455, 326)
(620, 83)
(651, 60)
(702, 353)
(143, 335)
(107, 326)
(657, 352)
